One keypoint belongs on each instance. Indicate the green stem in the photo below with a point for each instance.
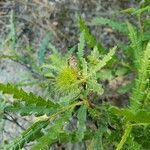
(124, 137)
(52, 117)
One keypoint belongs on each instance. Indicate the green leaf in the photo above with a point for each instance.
(94, 86)
(140, 116)
(7, 56)
(96, 143)
(26, 110)
(141, 10)
(81, 46)
(128, 10)
(28, 135)
(121, 27)
(29, 98)
(124, 137)
(81, 124)
(13, 34)
(105, 74)
(52, 135)
(136, 45)
(142, 81)
(90, 39)
(94, 56)
(102, 62)
(43, 47)
(71, 51)
(2, 106)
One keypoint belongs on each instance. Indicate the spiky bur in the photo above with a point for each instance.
(67, 80)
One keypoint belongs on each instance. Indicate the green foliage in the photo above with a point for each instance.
(97, 141)
(25, 110)
(121, 27)
(124, 137)
(136, 45)
(142, 81)
(28, 98)
(138, 117)
(53, 132)
(81, 125)
(29, 135)
(13, 34)
(137, 11)
(76, 85)
(43, 47)
(90, 39)
(2, 106)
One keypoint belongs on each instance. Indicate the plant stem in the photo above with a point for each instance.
(124, 137)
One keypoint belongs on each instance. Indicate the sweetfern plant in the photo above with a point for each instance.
(73, 78)
(74, 85)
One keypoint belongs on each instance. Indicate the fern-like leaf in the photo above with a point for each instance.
(28, 135)
(52, 135)
(26, 110)
(124, 137)
(142, 81)
(140, 116)
(102, 62)
(13, 34)
(96, 143)
(121, 27)
(90, 39)
(81, 45)
(94, 86)
(2, 106)
(81, 125)
(43, 47)
(29, 98)
(136, 45)
(141, 10)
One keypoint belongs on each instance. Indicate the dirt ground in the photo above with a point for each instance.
(34, 18)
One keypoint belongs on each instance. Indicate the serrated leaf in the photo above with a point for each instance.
(90, 39)
(25, 110)
(140, 116)
(29, 98)
(136, 44)
(81, 124)
(96, 143)
(94, 86)
(43, 47)
(121, 27)
(103, 62)
(13, 34)
(81, 46)
(28, 135)
(141, 10)
(71, 51)
(141, 83)
(124, 137)
(2, 121)
(52, 135)
(105, 74)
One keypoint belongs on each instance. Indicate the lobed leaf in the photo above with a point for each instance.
(43, 47)
(52, 135)
(28, 135)
(121, 27)
(90, 39)
(29, 98)
(81, 124)
(141, 83)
